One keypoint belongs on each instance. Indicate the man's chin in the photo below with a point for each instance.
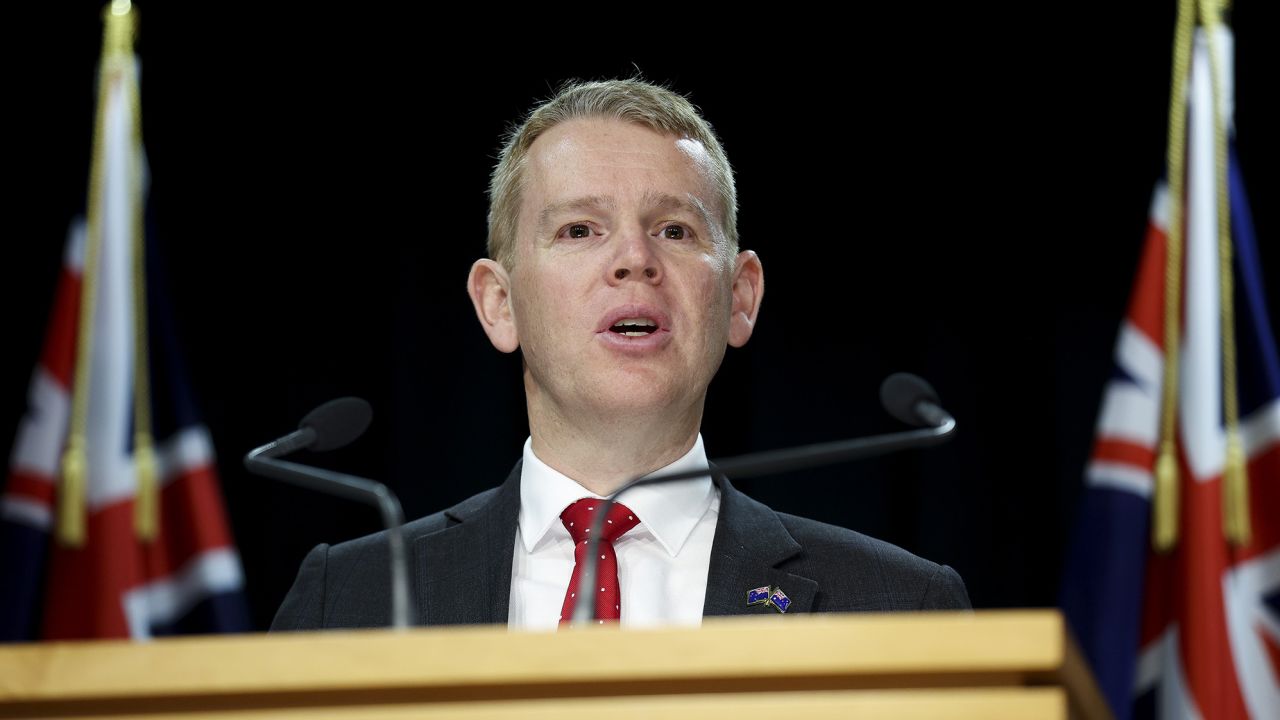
(640, 399)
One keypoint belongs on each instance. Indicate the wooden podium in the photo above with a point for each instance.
(989, 665)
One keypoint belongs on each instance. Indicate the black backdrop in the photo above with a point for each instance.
(955, 194)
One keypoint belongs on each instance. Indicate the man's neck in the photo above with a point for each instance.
(604, 455)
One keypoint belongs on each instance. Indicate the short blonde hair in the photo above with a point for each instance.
(633, 101)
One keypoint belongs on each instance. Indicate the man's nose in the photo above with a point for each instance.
(635, 259)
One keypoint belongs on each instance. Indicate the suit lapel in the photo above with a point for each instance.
(464, 570)
(750, 542)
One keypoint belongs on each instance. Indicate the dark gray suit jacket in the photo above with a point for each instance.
(460, 568)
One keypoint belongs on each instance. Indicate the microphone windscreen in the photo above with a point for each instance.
(338, 422)
(900, 393)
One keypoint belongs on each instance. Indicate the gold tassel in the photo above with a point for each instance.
(1164, 495)
(1235, 479)
(71, 500)
(1235, 493)
(146, 511)
(1164, 528)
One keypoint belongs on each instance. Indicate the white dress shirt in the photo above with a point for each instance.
(662, 562)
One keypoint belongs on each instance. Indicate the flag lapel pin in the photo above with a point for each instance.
(767, 595)
(779, 599)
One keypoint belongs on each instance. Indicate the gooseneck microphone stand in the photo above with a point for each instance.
(906, 397)
(330, 426)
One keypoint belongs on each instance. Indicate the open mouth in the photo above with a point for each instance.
(634, 327)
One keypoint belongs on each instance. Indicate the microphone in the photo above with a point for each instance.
(904, 396)
(333, 425)
(910, 399)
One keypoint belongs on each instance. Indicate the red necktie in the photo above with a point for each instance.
(577, 519)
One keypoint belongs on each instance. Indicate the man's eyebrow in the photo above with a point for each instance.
(655, 200)
(691, 203)
(587, 202)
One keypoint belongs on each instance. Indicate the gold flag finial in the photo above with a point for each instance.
(117, 37)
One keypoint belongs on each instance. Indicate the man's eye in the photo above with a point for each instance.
(673, 232)
(578, 231)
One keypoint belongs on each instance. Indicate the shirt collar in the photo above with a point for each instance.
(668, 510)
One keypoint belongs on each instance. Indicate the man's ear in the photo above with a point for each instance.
(748, 290)
(489, 286)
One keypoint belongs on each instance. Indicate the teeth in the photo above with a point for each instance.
(644, 326)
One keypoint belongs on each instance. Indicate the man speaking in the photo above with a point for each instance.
(614, 269)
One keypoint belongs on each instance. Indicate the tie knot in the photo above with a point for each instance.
(579, 516)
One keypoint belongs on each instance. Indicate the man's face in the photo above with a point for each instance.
(623, 286)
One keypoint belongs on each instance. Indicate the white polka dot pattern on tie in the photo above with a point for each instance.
(578, 519)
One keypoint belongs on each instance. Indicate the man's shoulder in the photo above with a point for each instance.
(826, 542)
(359, 548)
(860, 570)
(856, 572)
(348, 584)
